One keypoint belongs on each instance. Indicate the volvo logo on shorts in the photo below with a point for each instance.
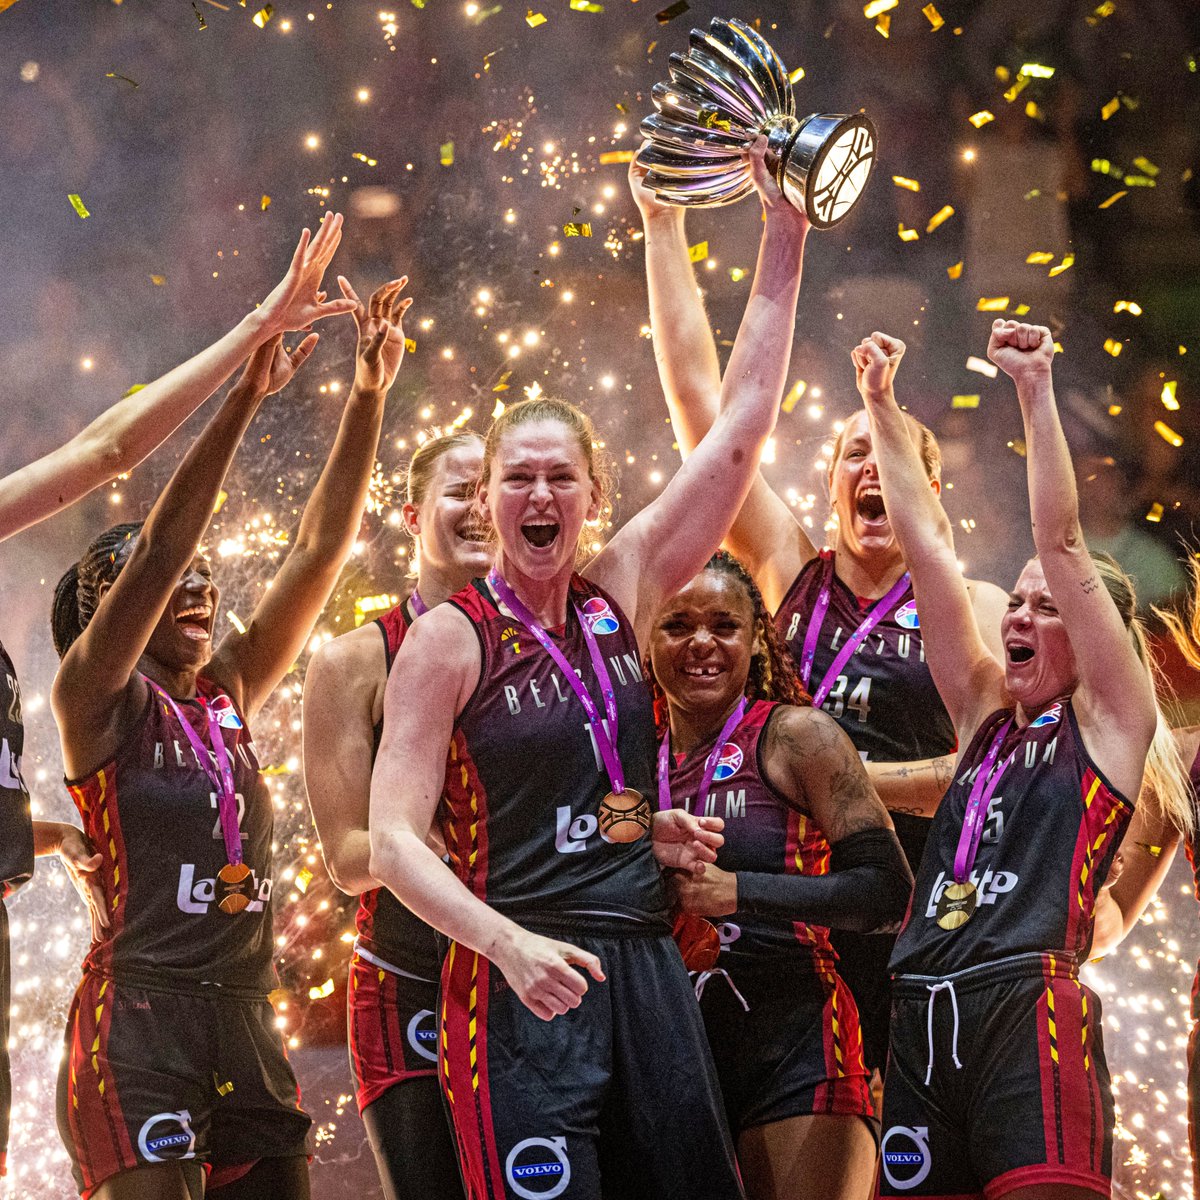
(538, 1168)
(728, 762)
(422, 1034)
(225, 713)
(906, 616)
(906, 1157)
(168, 1136)
(599, 617)
(1051, 716)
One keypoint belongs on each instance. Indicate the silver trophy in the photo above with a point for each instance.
(730, 87)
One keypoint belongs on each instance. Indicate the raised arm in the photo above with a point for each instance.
(1115, 697)
(92, 693)
(251, 664)
(120, 438)
(672, 538)
(405, 789)
(969, 680)
(343, 693)
(915, 787)
(764, 535)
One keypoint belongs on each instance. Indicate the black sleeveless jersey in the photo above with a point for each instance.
(764, 831)
(1193, 853)
(152, 813)
(16, 824)
(524, 779)
(391, 934)
(1050, 834)
(885, 700)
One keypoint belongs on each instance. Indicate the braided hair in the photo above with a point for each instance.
(772, 673)
(78, 591)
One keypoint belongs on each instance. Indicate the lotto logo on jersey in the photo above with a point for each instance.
(225, 713)
(906, 616)
(729, 762)
(599, 616)
(1051, 716)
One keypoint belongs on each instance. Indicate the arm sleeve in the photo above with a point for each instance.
(866, 890)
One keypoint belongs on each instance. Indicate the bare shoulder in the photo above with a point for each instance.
(806, 732)
(351, 671)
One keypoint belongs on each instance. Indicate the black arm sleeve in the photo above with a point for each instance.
(866, 891)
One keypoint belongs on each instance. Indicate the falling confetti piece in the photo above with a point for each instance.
(907, 235)
(132, 391)
(502, 383)
(222, 497)
(1130, 306)
(1036, 71)
(1020, 310)
(199, 16)
(875, 7)
(737, 274)
(981, 118)
(1145, 165)
(483, 14)
(698, 252)
(1165, 432)
(1168, 395)
(1139, 181)
(6, 4)
(671, 12)
(322, 992)
(1110, 108)
(1113, 347)
(955, 272)
(796, 75)
(1114, 410)
(1103, 167)
(236, 622)
(123, 78)
(1040, 257)
(964, 402)
(303, 879)
(616, 156)
(410, 346)
(371, 162)
(78, 205)
(158, 280)
(586, 6)
(1112, 200)
(909, 184)
(1033, 111)
(533, 20)
(265, 203)
(934, 17)
(1022, 82)
(982, 366)
(1017, 446)
(446, 154)
(223, 1089)
(1067, 263)
(940, 217)
(794, 396)
(578, 229)
(995, 304)
(263, 15)
(883, 26)
(1154, 516)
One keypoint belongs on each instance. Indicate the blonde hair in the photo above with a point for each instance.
(423, 463)
(930, 451)
(1185, 632)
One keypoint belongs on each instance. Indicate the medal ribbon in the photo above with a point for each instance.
(982, 791)
(606, 739)
(710, 763)
(220, 777)
(879, 610)
(418, 605)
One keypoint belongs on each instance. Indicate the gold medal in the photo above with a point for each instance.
(624, 816)
(957, 905)
(233, 888)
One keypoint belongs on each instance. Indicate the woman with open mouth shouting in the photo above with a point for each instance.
(996, 1078)
(395, 967)
(174, 1065)
(808, 845)
(847, 613)
(541, 737)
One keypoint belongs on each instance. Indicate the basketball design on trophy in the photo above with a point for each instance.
(729, 88)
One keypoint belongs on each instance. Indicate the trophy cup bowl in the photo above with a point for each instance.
(729, 88)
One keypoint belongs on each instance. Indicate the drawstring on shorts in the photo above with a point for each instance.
(945, 985)
(702, 978)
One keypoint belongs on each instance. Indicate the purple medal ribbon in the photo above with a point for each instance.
(418, 605)
(221, 778)
(982, 791)
(710, 763)
(606, 739)
(879, 610)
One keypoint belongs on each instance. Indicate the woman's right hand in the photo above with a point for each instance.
(297, 300)
(271, 367)
(649, 205)
(543, 973)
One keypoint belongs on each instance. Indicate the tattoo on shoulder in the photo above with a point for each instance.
(1090, 584)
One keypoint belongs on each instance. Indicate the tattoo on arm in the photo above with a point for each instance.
(943, 771)
(1090, 584)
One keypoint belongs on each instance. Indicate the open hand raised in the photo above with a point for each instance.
(380, 333)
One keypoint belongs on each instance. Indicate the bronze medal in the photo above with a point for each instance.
(233, 888)
(624, 816)
(698, 941)
(957, 905)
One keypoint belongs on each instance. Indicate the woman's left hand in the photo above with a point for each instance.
(380, 334)
(82, 864)
(876, 360)
(683, 842)
(712, 894)
(271, 367)
(775, 204)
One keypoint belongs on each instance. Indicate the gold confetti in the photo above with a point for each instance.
(236, 622)
(1040, 257)
(1017, 446)
(1104, 167)
(446, 154)
(1022, 82)
(199, 16)
(909, 184)
(934, 17)
(964, 402)
(533, 20)
(1168, 395)
(995, 304)
(670, 12)
(371, 162)
(737, 274)
(907, 235)
(616, 156)
(132, 390)
(6, 4)
(410, 346)
(78, 205)
(303, 879)
(981, 118)
(940, 217)
(1067, 263)
(1154, 516)
(1167, 434)
(955, 272)
(796, 75)
(981, 366)
(223, 1089)
(1130, 306)
(1114, 410)
(265, 203)
(875, 7)
(698, 252)
(1139, 181)
(1033, 112)
(578, 229)
(794, 396)
(263, 15)
(1020, 310)
(123, 78)
(498, 409)
(1113, 347)
(1145, 165)
(1112, 200)
(502, 383)
(1036, 71)
(1110, 108)
(322, 992)
(883, 26)
(585, 6)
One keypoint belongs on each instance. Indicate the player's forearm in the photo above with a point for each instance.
(348, 861)
(1053, 500)
(912, 787)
